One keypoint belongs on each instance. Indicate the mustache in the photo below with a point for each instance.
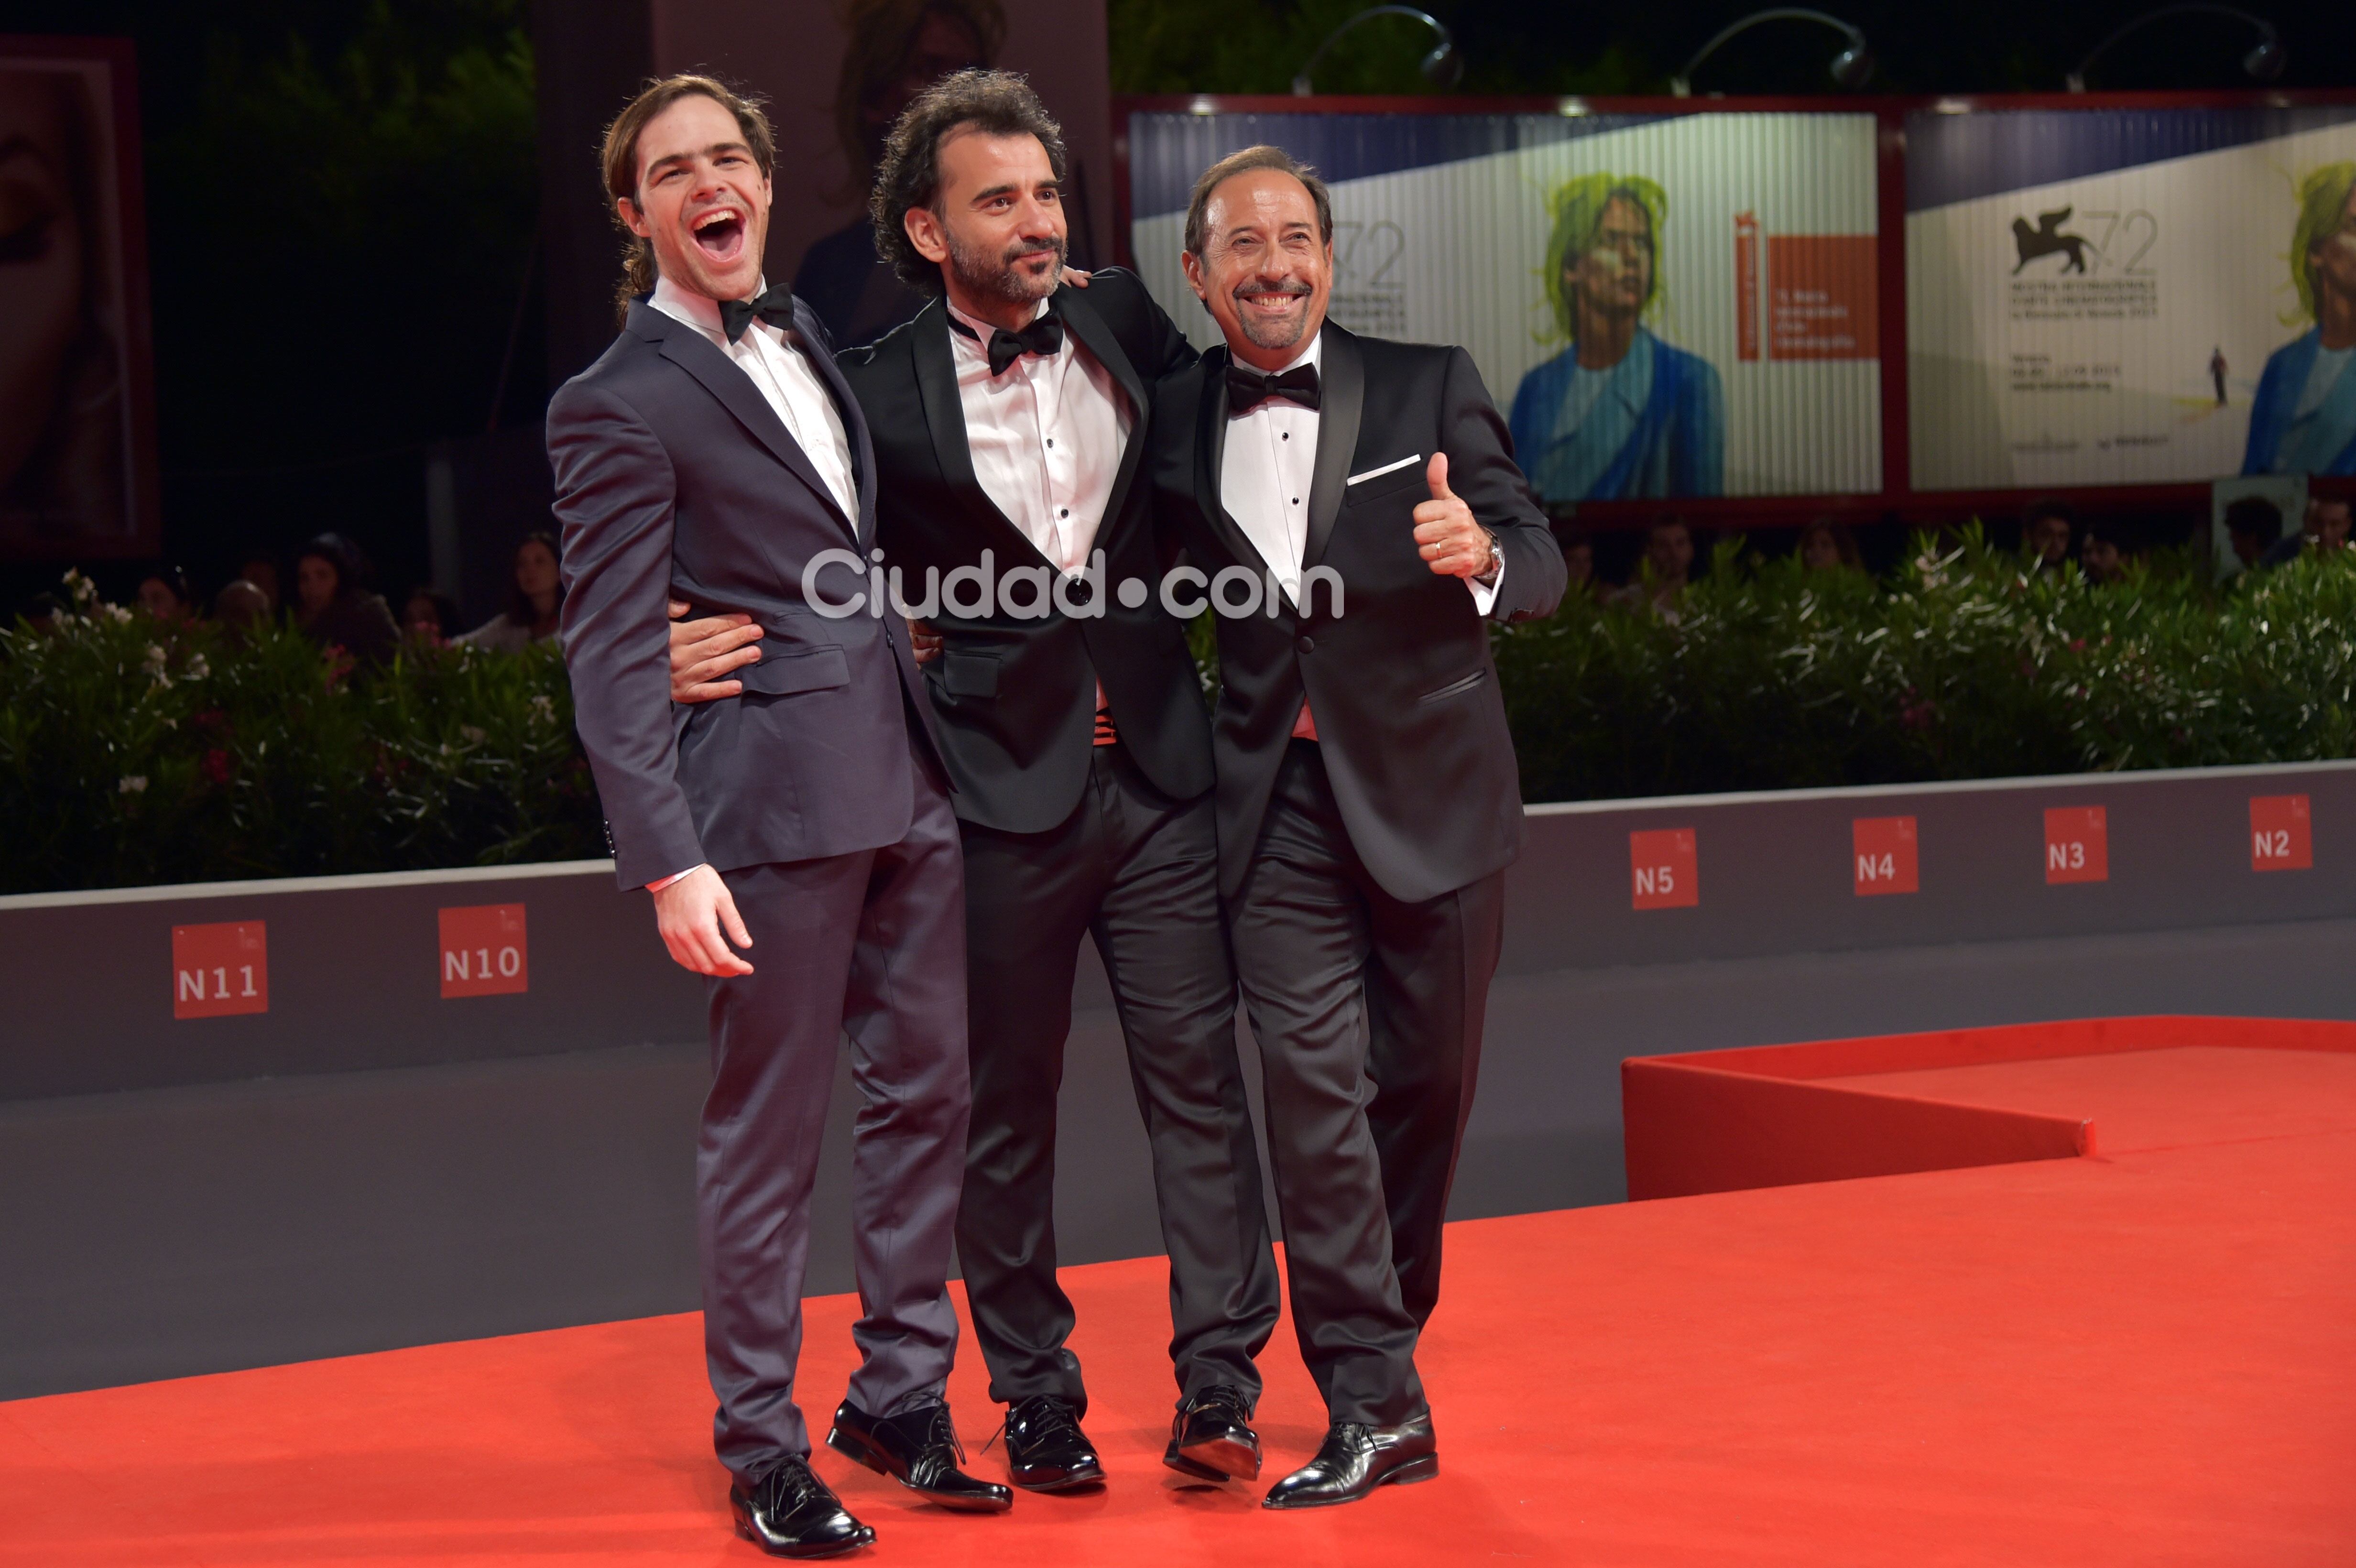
(1292, 286)
(1032, 245)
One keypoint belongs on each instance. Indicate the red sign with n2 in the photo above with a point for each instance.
(220, 970)
(1664, 868)
(1885, 855)
(2281, 836)
(2077, 845)
(483, 951)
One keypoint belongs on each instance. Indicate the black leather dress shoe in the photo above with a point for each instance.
(1356, 1459)
(790, 1514)
(919, 1449)
(1046, 1449)
(1211, 1438)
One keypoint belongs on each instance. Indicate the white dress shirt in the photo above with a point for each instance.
(789, 382)
(1046, 437)
(790, 385)
(1265, 474)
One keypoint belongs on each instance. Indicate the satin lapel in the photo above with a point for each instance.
(724, 380)
(936, 387)
(854, 419)
(1211, 455)
(1341, 396)
(1085, 325)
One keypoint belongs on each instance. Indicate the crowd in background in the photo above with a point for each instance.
(336, 606)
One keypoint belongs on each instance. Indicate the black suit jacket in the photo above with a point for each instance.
(1014, 699)
(676, 479)
(1401, 684)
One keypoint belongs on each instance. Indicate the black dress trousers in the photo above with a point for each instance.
(1368, 1013)
(1139, 872)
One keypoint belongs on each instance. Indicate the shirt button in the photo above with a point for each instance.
(1051, 440)
(1304, 645)
(1067, 511)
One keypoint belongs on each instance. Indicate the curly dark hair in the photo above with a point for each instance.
(994, 102)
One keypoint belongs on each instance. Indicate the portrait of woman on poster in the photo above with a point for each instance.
(1619, 414)
(62, 436)
(2303, 419)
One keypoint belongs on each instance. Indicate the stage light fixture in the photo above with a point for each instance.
(1443, 66)
(2263, 63)
(1849, 69)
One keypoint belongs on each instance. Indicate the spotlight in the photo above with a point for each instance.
(1443, 66)
(1850, 68)
(2264, 63)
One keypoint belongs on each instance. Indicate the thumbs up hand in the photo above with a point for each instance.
(1449, 541)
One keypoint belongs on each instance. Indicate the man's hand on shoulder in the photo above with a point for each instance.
(1451, 542)
(691, 913)
(703, 653)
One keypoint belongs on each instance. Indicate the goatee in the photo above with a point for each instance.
(998, 278)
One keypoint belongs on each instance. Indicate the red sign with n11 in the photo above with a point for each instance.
(483, 951)
(221, 970)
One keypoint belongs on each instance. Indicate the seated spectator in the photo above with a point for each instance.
(333, 605)
(427, 617)
(2324, 527)
(1824, 546)
(260, 568)
(241, 606)
(2104, 555)
(1669, 552)
(534, 598)
(2253, 523)
(167, 594)
(2045, 528)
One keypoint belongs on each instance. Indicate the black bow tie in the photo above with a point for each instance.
(1248, 388)
(776, 307)
(1045, 336)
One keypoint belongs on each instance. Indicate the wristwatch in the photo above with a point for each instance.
(1487, 576)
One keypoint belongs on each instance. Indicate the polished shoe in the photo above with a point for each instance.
(790, 1514)
(1046, 1449)
(919, 1449)
(1356, 1459)
(1211, 1438)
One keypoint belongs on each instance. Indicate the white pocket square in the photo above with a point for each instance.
(1378, 473)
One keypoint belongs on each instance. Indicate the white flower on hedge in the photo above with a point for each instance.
(198, 668)
(472, 732)
(122, 616)
(543, 708)
(81, 589)
(131, 783)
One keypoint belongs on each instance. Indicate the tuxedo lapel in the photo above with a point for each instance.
(1211, 456)
(812, 333)
(692, 352)
(1080, 318)
(1341, 395)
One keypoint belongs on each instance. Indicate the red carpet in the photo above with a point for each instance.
(2147, 1356)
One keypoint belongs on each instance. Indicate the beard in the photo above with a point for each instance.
(1265, 334)
(997, 277)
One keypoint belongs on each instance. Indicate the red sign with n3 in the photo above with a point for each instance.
(2077, 845)
(483, 951)
(1885, 855)
(1664, 868)
(220, 970)
(2281, 839)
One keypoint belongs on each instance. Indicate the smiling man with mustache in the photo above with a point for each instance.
(708, 457)
(1368, 799)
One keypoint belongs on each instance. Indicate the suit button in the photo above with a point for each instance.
(1305, 644)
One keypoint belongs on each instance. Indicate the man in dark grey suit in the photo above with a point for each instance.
(1368, 797)
(713, 453)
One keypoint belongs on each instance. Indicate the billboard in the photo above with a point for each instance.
(2121, 296)
(1668, 304)
(76, 464)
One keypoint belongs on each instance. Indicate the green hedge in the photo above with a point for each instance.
(1961, 666)
(132, 751)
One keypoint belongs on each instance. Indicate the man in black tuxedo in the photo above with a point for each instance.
(1009, 423)
(1368, 795)
(713, 453)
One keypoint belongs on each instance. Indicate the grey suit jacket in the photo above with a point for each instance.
(676, 479)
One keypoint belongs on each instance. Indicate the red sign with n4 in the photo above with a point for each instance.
(1884, 862)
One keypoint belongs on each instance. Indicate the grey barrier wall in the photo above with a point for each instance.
(370, 1164)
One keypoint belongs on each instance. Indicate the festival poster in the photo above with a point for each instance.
(2125, 297)
(1664, 306)
(77, 462)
